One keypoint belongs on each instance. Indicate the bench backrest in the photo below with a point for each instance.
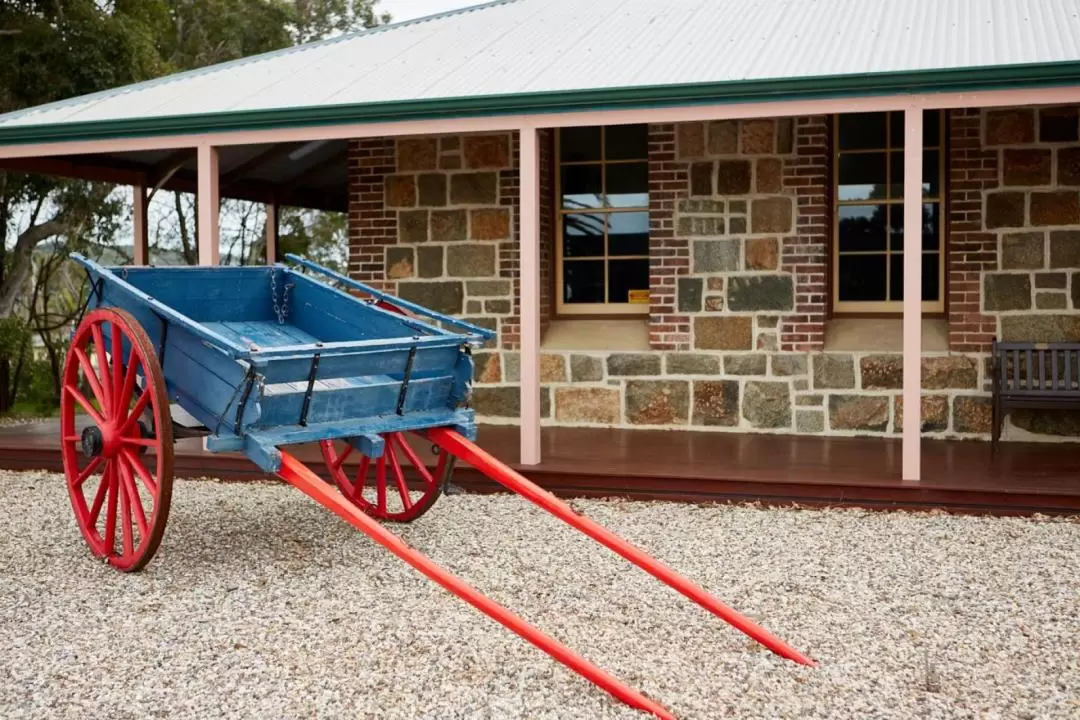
(1034, 369)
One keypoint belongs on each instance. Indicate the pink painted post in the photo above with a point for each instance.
(271, 233)
(913, 144)
(209, 202)
(140, 231)
(529, 301)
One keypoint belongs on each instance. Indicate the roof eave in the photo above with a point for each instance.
(755, 91)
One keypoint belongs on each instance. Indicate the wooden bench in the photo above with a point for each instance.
(1033, 376)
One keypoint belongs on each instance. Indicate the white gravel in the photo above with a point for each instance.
(262, 605)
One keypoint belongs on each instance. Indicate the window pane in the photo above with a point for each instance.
(931, 129)
(862, 227)
(931, 174)
(862, 131)
(624, 276)
(628, 234)
(861, 278)
(930, 279)
(896, 278)
(583, 235)
(626, 142)
(931, 232)
(931, 227)
(581, 186)
(583, 281)
(579, 143)
(627, 185)
(862, 177)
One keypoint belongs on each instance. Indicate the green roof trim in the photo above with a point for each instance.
(772, 90)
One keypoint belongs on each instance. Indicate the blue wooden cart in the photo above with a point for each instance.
(258, 359)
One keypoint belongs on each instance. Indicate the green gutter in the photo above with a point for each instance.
(752, 91)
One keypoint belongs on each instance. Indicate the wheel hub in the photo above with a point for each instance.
(93, 442)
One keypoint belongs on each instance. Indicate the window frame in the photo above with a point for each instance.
(592, 310)
(888, 308)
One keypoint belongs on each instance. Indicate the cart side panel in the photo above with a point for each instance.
(332, 316)
(200, 377)
(348, 398)
(375, 362)
(223, 294)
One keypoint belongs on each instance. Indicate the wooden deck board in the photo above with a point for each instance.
(702, 466)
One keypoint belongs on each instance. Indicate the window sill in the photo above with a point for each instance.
(860, 334)
(617, 334)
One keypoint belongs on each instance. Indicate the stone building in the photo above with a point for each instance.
(763, 292)
(676, 215)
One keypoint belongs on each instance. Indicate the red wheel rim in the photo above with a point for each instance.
(119, 466)
(380, 487)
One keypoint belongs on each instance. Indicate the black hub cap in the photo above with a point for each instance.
(92, 442)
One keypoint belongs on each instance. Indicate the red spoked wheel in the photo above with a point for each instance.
(386, 495)
(119, 467)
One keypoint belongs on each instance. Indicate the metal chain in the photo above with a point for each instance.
(281, 310)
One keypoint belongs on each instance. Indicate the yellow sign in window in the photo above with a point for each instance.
(639, 297)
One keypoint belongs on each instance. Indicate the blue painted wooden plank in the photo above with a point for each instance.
(124, 295)
(482, 333)
(383, 362)
(260, 446)
(281, 404)
(261, 333)
(333, 316)
(219, 293)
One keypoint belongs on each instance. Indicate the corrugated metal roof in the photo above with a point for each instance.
(578, 50)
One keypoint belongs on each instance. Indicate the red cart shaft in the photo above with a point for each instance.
(460, 447)
(297, 474)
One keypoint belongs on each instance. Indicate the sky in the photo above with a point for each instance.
(409, 9)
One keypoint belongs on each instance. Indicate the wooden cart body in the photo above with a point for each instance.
(268, 356)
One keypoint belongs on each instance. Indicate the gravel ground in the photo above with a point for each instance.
(262, 605)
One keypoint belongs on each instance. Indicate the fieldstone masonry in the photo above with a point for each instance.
(739, 245)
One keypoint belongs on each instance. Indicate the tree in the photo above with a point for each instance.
(51, 51)
(56, 49)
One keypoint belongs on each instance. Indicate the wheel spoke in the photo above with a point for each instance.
(99, 499)
(125, 518)
(136, 411)
(114, 362)
(92, 380)
(79, 398)
(399, 477)
(143, 442)
(133, 497)
(72, 438)
(341, 458)
(361, 479)
(89, 470)
(110, 510)
(135, 463)
(124, 397)
(413, 459)
(103, 365)
(380, 484)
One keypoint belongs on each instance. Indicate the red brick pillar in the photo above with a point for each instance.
(372, 225)
(669, 256)
(806, 253)
(970, 250)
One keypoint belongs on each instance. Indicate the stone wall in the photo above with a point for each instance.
(434, 220)
(804, 393)
(739, 224)
(1032, 215)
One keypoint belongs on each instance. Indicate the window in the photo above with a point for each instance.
(602, 258)
(868, 243)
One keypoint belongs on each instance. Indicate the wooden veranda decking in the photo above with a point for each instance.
(959, 476)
